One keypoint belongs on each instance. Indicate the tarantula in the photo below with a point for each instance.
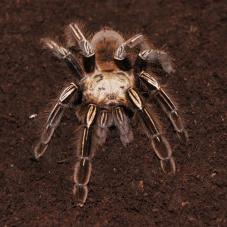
(106, 92)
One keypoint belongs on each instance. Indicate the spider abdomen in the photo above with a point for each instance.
(107, 88)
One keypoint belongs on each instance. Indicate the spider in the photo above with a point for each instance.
(107, 93)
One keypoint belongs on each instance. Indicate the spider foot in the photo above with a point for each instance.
(39, 150)
(161, 146)
(183, 136)
(152, 56)
(168, 165)
(80, 194)
(82, 175)
(82, 171)
(164, 153)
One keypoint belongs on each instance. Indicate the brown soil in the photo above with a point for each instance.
(127, 187)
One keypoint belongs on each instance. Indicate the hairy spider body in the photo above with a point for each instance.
(107, 86)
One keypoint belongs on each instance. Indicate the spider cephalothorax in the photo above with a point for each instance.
(107, 85)
(107, 88)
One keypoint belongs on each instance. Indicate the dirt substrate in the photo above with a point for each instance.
(127, 187)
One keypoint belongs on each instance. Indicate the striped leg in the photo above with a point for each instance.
(75, 36)
(158, 141)
(145, 56)
(91, 139)
(104, 121)
(165, 103)
(64, 54)
(66, 98)
(82, 171)
(120, 56)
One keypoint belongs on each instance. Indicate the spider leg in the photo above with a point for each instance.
(120, 55)
(82, 171)
(104, 120)
(84, 45)
(152, 56)
(54, 118)
(122, 123)
(146, 55)
(158, 141)
(64, 54)
(165, 103)
(92, 137)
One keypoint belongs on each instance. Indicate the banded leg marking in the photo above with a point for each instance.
(146, 54)
(83, 166)
(165, 103)
(121, 52)
(54, 118)
(158, 141)
(64, 54)
(85, 47)
(120, 55)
